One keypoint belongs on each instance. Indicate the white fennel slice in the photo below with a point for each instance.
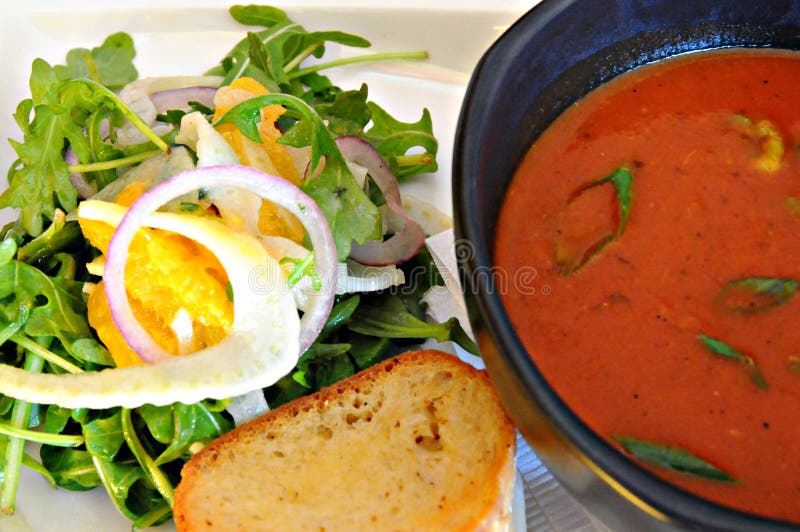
(261, 347)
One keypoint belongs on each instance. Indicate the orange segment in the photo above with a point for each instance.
(275, 220)
(277, 160)
(100, 319)
(130, 193)
(167, 275)
(268, 156)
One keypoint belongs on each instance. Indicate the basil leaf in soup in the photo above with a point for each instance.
(757, 294)
(673, 458)
(718, 347)
(595, 215)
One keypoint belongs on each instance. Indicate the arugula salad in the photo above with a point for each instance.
(193, 250)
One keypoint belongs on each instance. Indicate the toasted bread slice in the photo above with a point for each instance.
(418, 442)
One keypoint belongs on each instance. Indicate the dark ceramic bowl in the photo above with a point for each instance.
(551, 57)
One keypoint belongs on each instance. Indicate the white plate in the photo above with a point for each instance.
(182, 37)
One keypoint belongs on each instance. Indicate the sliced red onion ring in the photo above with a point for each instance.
(267, 186)
(82, 187)
(408, 236)
(180, 98)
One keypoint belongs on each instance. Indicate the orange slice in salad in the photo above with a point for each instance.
(177, 288)
(268, 156)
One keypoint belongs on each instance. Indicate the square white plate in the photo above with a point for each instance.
(182, 37)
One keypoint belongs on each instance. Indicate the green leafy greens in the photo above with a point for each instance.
(62, 109)
(110, 64)
(272, 57)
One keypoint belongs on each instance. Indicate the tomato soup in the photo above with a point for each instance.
(662, 214)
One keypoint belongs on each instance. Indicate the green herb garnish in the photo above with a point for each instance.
(722, 349)
(757, 294)
(673, 458)
(570, 260)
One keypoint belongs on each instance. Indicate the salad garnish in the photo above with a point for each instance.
(192, 250)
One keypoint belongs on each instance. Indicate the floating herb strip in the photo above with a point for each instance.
(757, 294)
(720, 348)
(621, 179)
(673, 458)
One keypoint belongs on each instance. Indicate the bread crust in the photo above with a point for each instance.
(417, 427)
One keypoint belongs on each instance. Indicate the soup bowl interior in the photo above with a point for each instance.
(554, 55)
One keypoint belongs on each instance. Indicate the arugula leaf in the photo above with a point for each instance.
(155, 516)
(340, 314)
(367, 351)
(349, 212)
(72, 469)
(42, 172)
(174, 116)
(56, 306)
(270, 57)
(257, 15)
(59, 236)
(104, 436)
(40, 179)
(287, 389)
(260, 57)
(100, 150)
(159, 421)
(718, 347)
(348, 114)
(388, 317)
(91, 351)
(22, 114)
(56, 418)
(320, 89)
(757, 294)
(237, 65)
(138, 446)
(323, 364)
(8, 249)
(121, 481)
(110, 63)
(339, 37)
(179, 425)
(673, 458)
(393, 139)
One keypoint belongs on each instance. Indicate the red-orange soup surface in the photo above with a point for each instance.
(712, 142)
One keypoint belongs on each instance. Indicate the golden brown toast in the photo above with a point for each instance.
(418, 442)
